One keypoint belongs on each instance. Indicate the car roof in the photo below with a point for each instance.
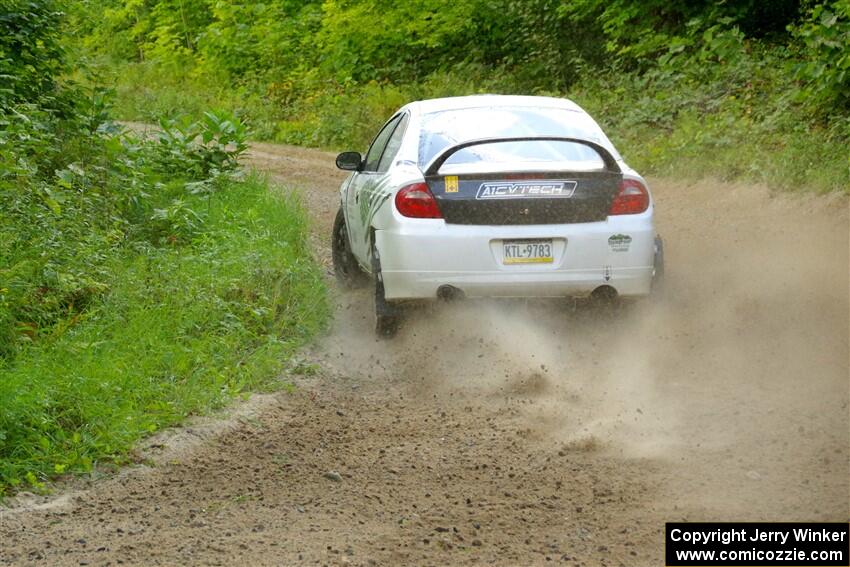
(490, 100)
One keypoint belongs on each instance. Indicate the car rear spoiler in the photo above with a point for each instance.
(438, 161)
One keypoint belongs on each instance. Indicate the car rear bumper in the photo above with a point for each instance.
(420, 256)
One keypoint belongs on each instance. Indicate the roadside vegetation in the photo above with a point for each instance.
(753, 90)
(142, 278)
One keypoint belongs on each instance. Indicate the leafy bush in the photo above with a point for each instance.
(825, 68)
(204, 149)
(31, 53)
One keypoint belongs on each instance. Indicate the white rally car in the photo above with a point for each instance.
(493, 196)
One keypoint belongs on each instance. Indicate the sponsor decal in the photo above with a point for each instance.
(606, 273)
(451, 184)
(619, 242)
(526, 189)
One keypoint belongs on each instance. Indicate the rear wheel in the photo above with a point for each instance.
(346, 269)
(387, 315)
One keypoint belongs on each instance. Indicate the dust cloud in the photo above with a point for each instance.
(736, 378)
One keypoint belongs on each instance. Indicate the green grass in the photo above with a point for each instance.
(182, 330)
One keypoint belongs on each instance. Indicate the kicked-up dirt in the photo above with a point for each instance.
(519, 433)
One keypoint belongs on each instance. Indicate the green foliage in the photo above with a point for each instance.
(142, 278)
(202, 149)
(414, 37)
(31, 54)
(249, 39)
(637, 30)
(71, 196)
(136, 29)
(181, 330)
(825, 68)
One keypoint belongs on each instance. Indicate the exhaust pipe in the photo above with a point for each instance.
(604, 295)
(450, 293)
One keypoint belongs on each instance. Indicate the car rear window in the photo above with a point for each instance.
(450, 127)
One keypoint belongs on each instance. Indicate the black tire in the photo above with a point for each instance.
(387, 315)
(346, 269)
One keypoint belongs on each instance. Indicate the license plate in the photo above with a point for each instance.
(527, 251)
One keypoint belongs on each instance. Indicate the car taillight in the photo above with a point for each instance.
(417, 201)
(633, 198)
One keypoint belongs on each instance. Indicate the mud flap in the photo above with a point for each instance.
(387, 314)
(658, 265)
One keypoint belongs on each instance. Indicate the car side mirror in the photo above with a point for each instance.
(349, 161)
